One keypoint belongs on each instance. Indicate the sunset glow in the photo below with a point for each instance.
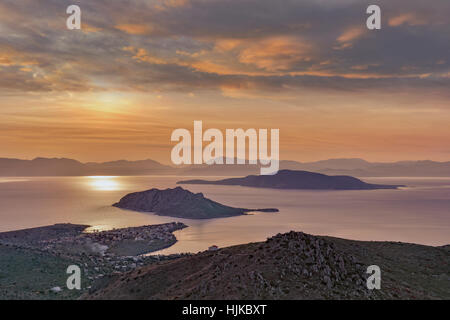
(118, 87)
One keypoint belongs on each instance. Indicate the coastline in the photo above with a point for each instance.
(51, 249)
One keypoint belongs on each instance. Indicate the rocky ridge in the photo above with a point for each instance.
(288, 266)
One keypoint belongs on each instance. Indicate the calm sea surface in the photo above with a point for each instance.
(419, 213)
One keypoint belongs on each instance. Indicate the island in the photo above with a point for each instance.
(291, 179)
(180, 203)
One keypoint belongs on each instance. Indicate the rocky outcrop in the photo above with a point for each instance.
(180, 203)
(290, 179)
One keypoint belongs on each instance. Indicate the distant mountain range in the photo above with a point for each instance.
(70, 167)
(362, 168)
(291, 179)
(352, 167)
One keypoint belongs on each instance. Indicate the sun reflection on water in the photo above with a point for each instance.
(104, 183)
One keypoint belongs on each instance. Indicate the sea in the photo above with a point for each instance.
(417, 213)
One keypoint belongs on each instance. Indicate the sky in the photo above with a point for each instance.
(137, 70)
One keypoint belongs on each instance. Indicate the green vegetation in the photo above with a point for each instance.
(30, 274)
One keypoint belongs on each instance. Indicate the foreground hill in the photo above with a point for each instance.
(291, 266)
(179, 203)
(28, 274)
(289, 179)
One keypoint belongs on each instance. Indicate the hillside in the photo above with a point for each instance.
(34, 260)
(291, 266)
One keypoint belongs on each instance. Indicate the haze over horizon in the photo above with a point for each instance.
(169, 163)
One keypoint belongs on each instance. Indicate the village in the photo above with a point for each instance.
(98, 254)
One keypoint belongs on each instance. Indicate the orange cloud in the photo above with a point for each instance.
(347, 38)
(411, 19)
(143, 55)
(192, 55)
(87, 28)
(227, 44)
(135, 29)
(5, 60)
(364, 66)
(210, 67)
(351, 34)
(276, 53)
(11, 57)
(202, 65)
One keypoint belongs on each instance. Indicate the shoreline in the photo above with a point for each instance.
(49, 250)
(129, 241)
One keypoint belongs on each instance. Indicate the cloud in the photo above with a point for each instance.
(346, 39)
(210, 45)
(142, 55)
(223, 45)
(412, 19)
(12, 57)
(351, 34)
(167, 4)
(275, 53)
(135, 29)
